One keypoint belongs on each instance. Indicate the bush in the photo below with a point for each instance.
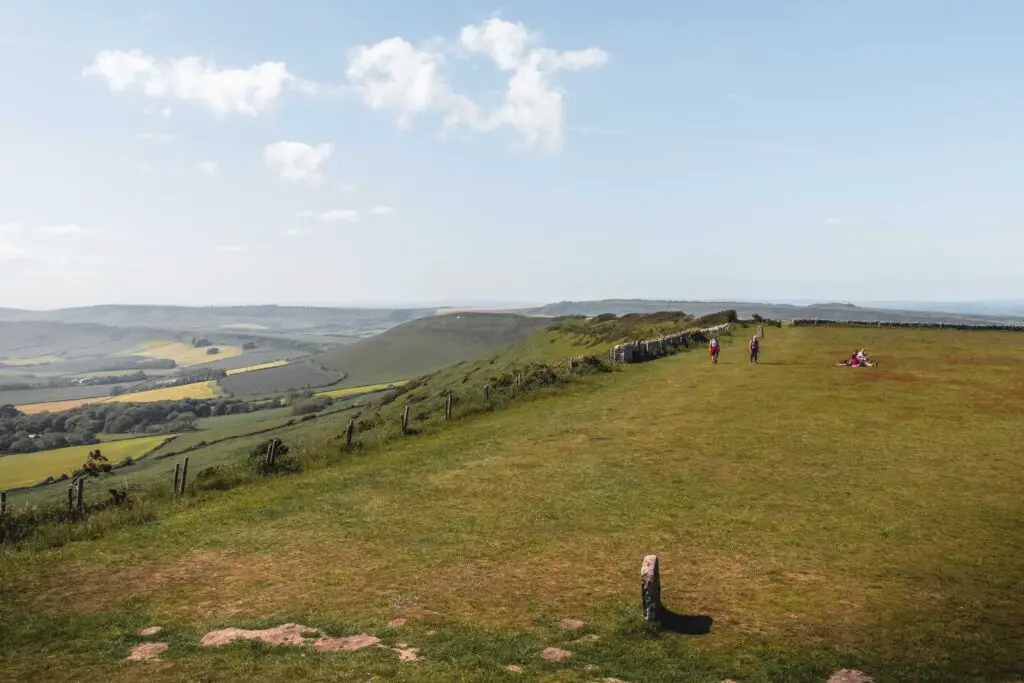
(267, 462)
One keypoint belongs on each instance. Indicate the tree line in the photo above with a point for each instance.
(20, 433)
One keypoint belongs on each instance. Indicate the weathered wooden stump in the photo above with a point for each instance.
(71, 499)
(650, 590)
(177, 476)
(349, 431)
(405, 420)
(184, 475)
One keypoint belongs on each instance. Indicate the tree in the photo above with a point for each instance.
(212, 351)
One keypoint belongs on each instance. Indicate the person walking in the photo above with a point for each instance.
(715, 348)
(755, 348)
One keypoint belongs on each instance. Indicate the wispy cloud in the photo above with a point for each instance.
(159, 138)
(65, 229)
(208, 167)
(331, 216)
(833, 220)
(381, 211)
(298, 162)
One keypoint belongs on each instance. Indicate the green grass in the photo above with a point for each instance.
(824, 517)
(423, 346)
(26, 469)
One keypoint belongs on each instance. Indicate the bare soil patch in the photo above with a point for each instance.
(572, 624)
(150, 631)
(285, 634)
(346, 644)
(555, 654)
(850, 676)
(146, 652)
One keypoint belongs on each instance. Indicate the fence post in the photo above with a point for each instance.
(487, 393)
(405, 420)
(80, 498)
(177, 476)
(570, 363)
(184, 475)
(348, 434)
(3, 503)
(71, 499)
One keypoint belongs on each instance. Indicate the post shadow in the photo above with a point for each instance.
(656, 614)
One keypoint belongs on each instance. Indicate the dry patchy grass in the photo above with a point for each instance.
(824, 516)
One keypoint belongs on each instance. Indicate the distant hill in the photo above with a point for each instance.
(253, 319)
(428, 344)
(831, 311)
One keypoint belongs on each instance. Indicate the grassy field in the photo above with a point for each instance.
(183, 354)
(261, 366)
(426, 345)
(348, 392)
(26, 469)
(824, 517)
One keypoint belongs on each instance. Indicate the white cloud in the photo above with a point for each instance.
(166, 112)
(381, 211)
(332, 216)
(393, 74)
(230, 248)
(296, 161)
(833, 220)
(209, 167)
(191, 79)
(295, 232)
(10, 229)
(64, 229)
(162, 138)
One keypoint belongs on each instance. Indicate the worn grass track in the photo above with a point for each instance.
(824, 517)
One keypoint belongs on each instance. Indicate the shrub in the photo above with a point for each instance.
(277, 461)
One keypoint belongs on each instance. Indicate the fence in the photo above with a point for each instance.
(806, 322)
(651, 349)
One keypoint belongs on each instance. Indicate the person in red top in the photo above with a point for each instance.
(714, 348)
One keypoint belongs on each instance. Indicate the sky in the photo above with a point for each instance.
(205, 152)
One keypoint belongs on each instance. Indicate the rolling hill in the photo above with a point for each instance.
(425, 345)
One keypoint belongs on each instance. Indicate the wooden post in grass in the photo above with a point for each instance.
(570, 363)
(448, 406)
(405, 419)
(487, 393)
(177, 476)
(270, 452)
(348, 434)
(3, 503)
(71, 499)
(650, 589)
(184, 475)
(80, 497)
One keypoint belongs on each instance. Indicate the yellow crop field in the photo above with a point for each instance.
(32, 360)
(261, 366)
(356, 391)
(26, 469)
(181, 353)
(196, 390)
(58, 406)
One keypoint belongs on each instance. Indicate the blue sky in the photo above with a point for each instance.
(202, 152)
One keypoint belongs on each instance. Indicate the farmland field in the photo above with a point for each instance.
(53, 394)
(260, 366)
(357, 391)
(26, 469)
(183, 354)
(30, 361)
(823, 518)
(275, 380)
(195, 390)
(58, 406)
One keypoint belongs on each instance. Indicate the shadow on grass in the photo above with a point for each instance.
(687, 624)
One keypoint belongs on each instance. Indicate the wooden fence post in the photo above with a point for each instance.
(570, 363)
(487, 393)
(184, 475)
(177, 476)
(270, 452)
(71, 499)
(348, 434)
(3, 503)
(650, 589)
(80, 498)
(405, 420)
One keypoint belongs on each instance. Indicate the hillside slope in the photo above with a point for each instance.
(426, 345)
(818, 535)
